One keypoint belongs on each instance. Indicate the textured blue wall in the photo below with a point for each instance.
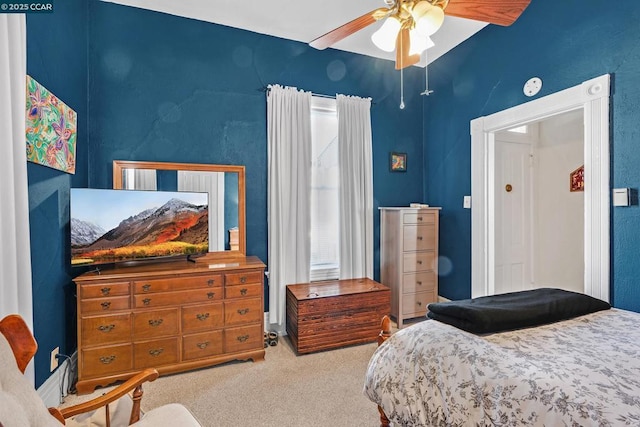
(149, 86)
(164, 88)
(564, 43)
(56, 58)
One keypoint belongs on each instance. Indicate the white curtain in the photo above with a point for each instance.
(289, 183)
(212, 183)
(15, 253)
(356, 187)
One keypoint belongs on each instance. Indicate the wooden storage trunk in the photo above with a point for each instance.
(336, 313)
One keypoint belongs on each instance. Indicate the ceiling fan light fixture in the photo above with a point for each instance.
(419, 43)
(427, 17)
(385, 37)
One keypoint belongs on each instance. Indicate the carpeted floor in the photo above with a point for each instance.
(318, 389)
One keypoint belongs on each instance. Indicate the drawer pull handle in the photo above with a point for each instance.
(211, 282)
(243, 311)
(105, 305)
(243, 279)
(202, 345)
(105, 290)
(419, 218)
(243, 338)
(419, 303)
(146, 301)
(106, 328)
(420, 238)
(155, 322)
(202, 316)
(146, 287)
(419, 262)
(210, 295)
(243, 291)
(419, 283)
(156, 352)
(107, 359)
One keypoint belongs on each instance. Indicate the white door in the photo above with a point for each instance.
(513, 206)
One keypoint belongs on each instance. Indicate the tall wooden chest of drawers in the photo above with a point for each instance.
(335, 313)
(409, 259)
(172, 316)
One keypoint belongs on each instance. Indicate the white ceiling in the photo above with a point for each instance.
(305, 20)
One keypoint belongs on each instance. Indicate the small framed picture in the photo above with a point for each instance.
(398, 162)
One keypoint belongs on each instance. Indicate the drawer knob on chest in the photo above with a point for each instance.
(243, 279)
(146, 287)
(243, 311)
(107, 359)
(156, 352)
(419, 218)
(211, 282)
(105, 305)
(419, 303)
(210, 295)
(106, 328)
(243, 291)
(146, 301)
(202, 345)
(242, 338)
(419, 262)
(105, 290)
(155, 322)
(202, 316)
(419, 237)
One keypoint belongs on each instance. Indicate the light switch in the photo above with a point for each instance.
(621, 197)
(467, 202)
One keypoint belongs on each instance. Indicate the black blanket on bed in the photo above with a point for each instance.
(514, 310)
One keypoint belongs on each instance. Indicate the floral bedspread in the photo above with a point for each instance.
(579, 372)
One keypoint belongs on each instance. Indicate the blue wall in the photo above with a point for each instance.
(149, 86)
(564, 43)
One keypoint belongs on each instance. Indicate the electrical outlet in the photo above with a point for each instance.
(54, 359)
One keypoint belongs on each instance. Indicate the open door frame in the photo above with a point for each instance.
(593, 97)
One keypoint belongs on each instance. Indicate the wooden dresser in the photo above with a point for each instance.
(172, 316)
(335, 313)
(409, 259)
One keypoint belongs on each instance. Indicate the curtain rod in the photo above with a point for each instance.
(321, 95)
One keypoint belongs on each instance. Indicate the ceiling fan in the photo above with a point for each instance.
(409, 23)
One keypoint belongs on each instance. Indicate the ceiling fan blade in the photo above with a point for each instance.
(403, 59)
(349, 28)
(500, 12)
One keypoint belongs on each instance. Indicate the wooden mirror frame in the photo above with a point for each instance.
(120, 165)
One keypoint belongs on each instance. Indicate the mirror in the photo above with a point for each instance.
(224, 183)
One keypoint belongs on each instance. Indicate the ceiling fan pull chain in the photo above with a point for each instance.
(426, 92)
(401, 74)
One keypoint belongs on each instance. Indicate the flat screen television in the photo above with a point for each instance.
(112, 226)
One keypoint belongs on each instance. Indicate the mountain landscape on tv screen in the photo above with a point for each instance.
(175, 228)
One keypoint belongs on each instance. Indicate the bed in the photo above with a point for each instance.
(583, 371)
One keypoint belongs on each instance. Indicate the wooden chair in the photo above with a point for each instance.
(17, 390)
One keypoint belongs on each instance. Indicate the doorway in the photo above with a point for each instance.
(591, 98)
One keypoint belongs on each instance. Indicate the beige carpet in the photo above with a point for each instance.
(319, 389)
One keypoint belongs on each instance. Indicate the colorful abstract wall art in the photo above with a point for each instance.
(51, 129)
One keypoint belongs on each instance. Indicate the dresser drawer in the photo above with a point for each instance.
(104, 305)
(106, 329)
(107, 360)
(418, 261)
(163, 299)
(202, 345)
(243, 338)
(157, 323)
(243, 311)
(419, 217)
(418, 237)
(104, 290)
(242, 291)
(419, 282)
(202, 317)
(149, 354)
(177, 283)
(416, 304)
(244, 278)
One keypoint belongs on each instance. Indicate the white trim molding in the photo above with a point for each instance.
(592, 96)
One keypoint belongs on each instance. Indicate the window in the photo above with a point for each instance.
(325, 215)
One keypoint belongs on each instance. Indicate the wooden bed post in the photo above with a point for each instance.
(385, 333)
